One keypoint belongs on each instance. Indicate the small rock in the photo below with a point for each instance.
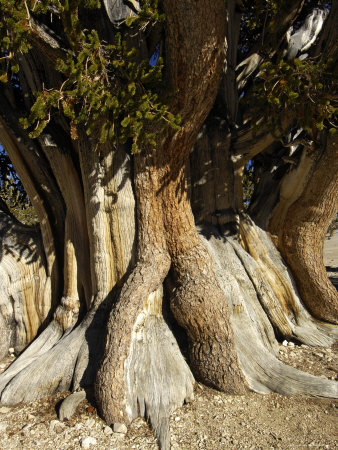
(70, 404)
(88, 441)
(56, 426)
(177, 419)
(11, 350)
(285, 343)
(4, 410)
(291, 344)
(107, 430)
(90, 423)
(120, 428)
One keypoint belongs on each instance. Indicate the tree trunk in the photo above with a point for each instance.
(25, 298)
(304, 226)
(223, 281)
(167, 238)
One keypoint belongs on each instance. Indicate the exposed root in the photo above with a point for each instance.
(41, 345)
(255, 342)
(55, 361)
(158, 380)
(50, 372)
(143, 371)
(280, 300)
(200, 307)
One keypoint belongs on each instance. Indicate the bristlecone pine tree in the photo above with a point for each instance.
(134, 165)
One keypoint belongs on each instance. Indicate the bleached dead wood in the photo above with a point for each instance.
(254, 336)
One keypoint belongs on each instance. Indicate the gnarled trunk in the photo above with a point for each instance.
(223, 281)
(300, 220)
(167, 238)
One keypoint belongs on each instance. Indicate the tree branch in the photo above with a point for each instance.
(45, 40)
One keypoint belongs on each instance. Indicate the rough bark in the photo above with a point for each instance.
(229, 288)
(304, 230)
(262, 296)
(167, 236)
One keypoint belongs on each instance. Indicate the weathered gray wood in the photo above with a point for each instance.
(54, 362)
(305, 36)
(119, 10)
(305, 328)
(49, 372)
(24, 285)
(158, 379)
(263, 371)
(5, 337)
(39, 346)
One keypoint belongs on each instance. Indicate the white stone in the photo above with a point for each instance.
(285, 343)
(88, 441)
(4, 410)
(56, 426)
(107, 430)
(90, 423)
(120, 428)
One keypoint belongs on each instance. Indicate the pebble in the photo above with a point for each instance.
(90, 423)
(88, 441)
(107, 430)
(4, 410)
(70, 404)
(56, 426)
(285, 343)
(120, 428)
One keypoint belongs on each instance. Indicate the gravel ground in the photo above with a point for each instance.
(213, 421)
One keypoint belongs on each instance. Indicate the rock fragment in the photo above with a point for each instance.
(120, 428)
(88, 441)
(70, 404)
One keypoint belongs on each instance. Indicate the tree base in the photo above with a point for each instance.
(156, 377)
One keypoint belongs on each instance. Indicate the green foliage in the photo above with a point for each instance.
(16, 25)
(248, 184)
(148, 15)
(105, 87)
(306, 89)
(13, 193)
(14, 28)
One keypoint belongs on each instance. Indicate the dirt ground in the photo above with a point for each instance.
(212, 421)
